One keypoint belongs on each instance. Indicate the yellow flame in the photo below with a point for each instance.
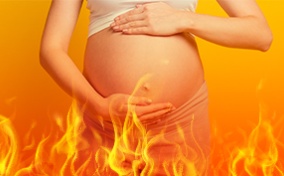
(130, 153)
(9, 147)
(58, 153)
(260, 155)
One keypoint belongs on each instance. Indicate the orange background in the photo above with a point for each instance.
(28, 94)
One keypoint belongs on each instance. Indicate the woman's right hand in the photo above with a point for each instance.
(117, 105)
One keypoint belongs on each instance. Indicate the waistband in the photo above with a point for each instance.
(195, 110)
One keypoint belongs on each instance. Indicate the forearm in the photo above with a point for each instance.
(61, 68)
(238, 32)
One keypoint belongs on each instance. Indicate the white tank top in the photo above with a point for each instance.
(103, 12)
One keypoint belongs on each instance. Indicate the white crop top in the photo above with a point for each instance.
(103, 12)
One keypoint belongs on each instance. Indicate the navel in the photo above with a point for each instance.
(146, 87)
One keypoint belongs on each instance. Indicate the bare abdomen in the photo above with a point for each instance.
(168, 69)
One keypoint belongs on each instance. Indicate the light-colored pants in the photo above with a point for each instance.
(179, 144)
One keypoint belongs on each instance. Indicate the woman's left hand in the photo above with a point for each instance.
(151, 18)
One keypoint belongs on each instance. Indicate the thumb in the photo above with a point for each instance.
(140, 101)
(139, 5)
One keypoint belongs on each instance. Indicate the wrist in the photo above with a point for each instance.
(99, 105)
(185, 23)
(103, 108)
(94, 104)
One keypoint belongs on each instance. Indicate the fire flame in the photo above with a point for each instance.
(260, 154)
(9, 147)
(59, 152)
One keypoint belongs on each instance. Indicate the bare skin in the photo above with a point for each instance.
(156, 19)
(115, 62)
(148, 40)
(55, 60)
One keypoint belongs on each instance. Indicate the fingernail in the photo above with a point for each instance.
(169, 105)
(116, 27)
(149, 101)
(112, 24)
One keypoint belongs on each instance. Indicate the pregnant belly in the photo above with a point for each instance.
(165, 69)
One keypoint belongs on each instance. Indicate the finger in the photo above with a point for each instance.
(139, 101)
(129, 25)
(155, 116)
(139, 5)
(152, 109)
(138, 30)
(133, 15)
(130, 18)
(137, 10)
(152, 121)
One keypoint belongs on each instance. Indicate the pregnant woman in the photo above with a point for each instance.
(142, 55)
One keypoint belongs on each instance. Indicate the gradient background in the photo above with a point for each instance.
(29, 96)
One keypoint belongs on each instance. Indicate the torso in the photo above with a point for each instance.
(115, 62)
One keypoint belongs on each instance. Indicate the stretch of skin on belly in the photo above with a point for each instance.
(149, 88)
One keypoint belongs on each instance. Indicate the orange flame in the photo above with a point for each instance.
(59, 152)
(257, 155)
(9, 147)
(260, 155)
